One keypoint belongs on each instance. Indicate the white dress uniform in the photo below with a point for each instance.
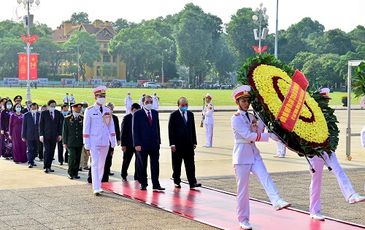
(128, 104)
(208, 113)
(155, 102)
(281, 150)
(362, 134)
(316, 181)
(246, 158)
(98, 132)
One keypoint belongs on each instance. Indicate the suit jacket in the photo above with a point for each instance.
(145, 135)
(126, 136)
(182, 135)
(116, 126)
(50, 128)
(30, 129)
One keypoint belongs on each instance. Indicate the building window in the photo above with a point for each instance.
(106, 58)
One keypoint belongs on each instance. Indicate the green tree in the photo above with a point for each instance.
(240, 35)
(79, 18)
(9, 49)
(86, 48)
(194, 36)
(121, 23)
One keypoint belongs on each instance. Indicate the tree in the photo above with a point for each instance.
(121, 23)
(86, 48)
(333, 41)
(194, 35)
(80, 18)
(240, 35)
(9, 49)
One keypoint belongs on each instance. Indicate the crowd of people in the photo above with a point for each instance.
(82, 131)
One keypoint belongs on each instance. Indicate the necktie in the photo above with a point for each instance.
(149, 117)
(248, 117)
(52, 115)
(34, 120)
(101, 109)
(184, 118)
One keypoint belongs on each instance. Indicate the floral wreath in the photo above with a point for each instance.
(270, 82)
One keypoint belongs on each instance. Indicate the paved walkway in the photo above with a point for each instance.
(35, 200)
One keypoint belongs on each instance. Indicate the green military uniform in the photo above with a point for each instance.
(72, 137)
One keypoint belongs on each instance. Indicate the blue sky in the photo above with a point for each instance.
(345, 15)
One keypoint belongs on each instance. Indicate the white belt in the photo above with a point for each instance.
(242, 141)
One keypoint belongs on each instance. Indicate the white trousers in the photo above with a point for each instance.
(209, 134)
(316, 182)
(242, 177)
(98, 156)
(281, 152)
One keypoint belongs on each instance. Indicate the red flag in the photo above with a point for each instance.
(22, 62)
(29, 39)
(22, 66)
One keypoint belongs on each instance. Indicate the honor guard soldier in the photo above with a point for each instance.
(72, 139)
(246, 157)
(208, 120)
(98, 133)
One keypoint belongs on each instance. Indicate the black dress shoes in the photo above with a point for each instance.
(143, 187)
(124, 179)
(51, 170)
(196, 185)
(70, 177)
(177, 186)
(46, 170)
(158, 189)
(34, 165)
(30, 166)
(77, 177)
(111, 174)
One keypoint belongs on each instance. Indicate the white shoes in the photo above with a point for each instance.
(98, 192)
(280, 204)
(245, 225)
(317, 216)
(356, 198)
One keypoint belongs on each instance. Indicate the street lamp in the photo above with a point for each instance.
(260, 17)
(28, 21)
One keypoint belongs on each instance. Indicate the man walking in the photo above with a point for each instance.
(147, 140)
(30, 133)
(127, 142)
(182, 136)
(50, 132)
(98, 134)
(72, 140)
(128, 103)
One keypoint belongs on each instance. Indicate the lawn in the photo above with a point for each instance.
(168, 97)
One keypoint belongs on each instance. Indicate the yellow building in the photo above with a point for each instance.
(107, 66)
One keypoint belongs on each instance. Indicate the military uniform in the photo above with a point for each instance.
(72, 137)
(98, 132)
(246, 158)
(208, 113)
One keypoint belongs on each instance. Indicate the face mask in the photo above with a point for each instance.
(33, 110)
(8, 106)
(64, 113)
(52, 109)
(82, 110)
(100, 100)
(75, 114)
(18, 109)
(184, 108)
(148, 106)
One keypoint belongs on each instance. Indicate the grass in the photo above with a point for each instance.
(168, 97)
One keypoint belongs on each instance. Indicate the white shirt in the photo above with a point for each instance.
(185, 114)
(208, 114)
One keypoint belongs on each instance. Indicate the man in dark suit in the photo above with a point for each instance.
(50, 132)
(146, 141)
(30, 133)
(127, 142)
(182, 137)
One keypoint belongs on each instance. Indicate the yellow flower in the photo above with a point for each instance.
(273, 85)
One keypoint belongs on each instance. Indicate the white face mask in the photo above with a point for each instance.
(148, 106)
(18, 109)
(75, 114)
(100, 100)
(8, 106)
(51, 109)
(33, 110)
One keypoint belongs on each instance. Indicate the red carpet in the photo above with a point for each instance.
(218, 208)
